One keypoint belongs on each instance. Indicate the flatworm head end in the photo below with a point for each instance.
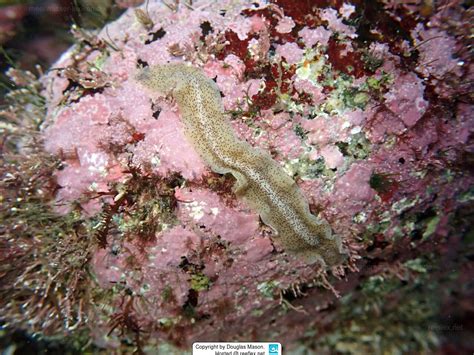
(167, 78)
(159, 78)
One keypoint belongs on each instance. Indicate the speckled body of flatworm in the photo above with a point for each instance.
(261, 181)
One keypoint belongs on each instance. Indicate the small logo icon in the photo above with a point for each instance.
(273, 349)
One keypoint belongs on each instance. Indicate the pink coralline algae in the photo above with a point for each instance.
(436, 53)
(336, 24)
(314, 36)
(332, 156)
(357, 176)
(290, 52)
(207, 210)
(157, 149)
(285, 25)
(405, 98)
(346, 108)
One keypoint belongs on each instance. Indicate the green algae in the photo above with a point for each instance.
(267, 288)
(358, 147)
(200, 282)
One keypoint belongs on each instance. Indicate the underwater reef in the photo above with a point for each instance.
(116, 236)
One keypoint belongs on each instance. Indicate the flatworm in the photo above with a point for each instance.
(261, 181)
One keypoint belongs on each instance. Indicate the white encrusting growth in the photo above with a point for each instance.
(261, 182)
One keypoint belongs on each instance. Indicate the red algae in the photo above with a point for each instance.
(347, 61)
